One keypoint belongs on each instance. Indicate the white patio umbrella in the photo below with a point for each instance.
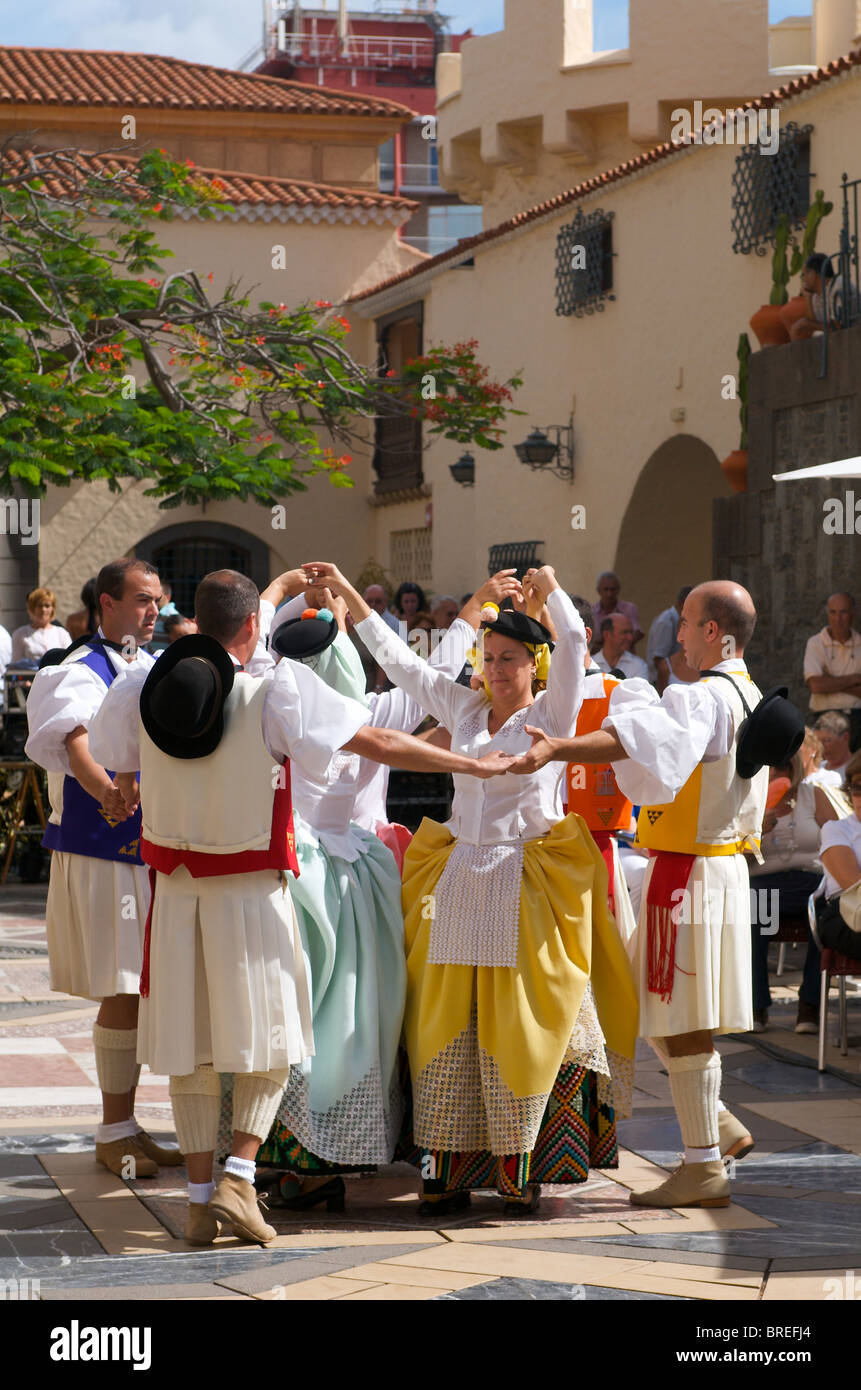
(843, 468)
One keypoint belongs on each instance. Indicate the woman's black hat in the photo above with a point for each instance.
(510, 623)
(183, 697)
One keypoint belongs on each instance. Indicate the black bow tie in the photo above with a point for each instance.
(114, 646)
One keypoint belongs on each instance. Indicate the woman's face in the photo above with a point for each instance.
(409, 605)
(508, 668)
(855, 794)
(41, 614)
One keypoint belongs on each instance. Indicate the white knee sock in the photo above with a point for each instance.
(116, 1058)
(256, 1097)
(695, 1084)
(196, 1101)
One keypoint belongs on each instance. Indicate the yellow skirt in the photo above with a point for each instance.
(486, 1043)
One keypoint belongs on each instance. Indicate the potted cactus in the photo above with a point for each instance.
(734, 466)
(796, 308)
(766, 322)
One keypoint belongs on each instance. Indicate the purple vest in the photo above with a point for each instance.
(84, 827)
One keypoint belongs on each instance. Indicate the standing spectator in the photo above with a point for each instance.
(409, 600)
(608, 588)
(34, 639)
(663, 641)
(84, 622)
(376, 597)
(615, 655)
(832, 665)
(444, 611)
(5, 650)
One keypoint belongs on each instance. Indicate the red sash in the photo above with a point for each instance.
(280, 854)
(604, 840)
(670, 874)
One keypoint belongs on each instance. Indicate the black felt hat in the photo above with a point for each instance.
(182, 700)
(770, 735)
(299, 638)
(510, 623)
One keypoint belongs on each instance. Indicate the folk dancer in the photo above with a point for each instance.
(98, 892)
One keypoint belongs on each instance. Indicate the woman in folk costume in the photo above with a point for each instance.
(342, 1109)
(506, 919)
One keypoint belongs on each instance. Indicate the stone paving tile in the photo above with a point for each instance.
(143, 1293)
(65, 1240)
(779, 1078)
(746, 1264)
(311, 1264)
(208, 1267)
(525, 1290)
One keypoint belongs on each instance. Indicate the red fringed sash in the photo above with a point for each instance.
(604, 840)
(669, 874)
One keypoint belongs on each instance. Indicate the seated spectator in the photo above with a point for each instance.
(608, 587)
(833, 731)
(176, 626)
(444, 610)
(663, 641)
(840, 853)
(84, 622)
(409, 600)
(617, 634)
(41, 634)
(823, 291)
(832, 666)
(790, 849)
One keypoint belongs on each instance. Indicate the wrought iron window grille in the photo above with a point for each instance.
(767, 186)
(584, 264)
(517, 555)
(842, 302)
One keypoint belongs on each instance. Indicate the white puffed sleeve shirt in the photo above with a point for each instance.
(303, 720)
(667, 736)
(499, 809)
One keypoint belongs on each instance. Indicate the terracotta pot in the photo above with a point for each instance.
(795, 309)
(734, 467)
(767, 326)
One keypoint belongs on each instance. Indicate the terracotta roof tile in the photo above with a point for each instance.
(77, 77)
(253, 190)
(609, 176)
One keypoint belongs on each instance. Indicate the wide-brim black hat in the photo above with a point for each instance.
(182, 700)
(510, 623)
(299, 638)
(770, 735)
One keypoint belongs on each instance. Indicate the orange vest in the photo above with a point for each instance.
(591, 787)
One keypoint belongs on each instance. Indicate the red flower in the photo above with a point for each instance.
(323, 303)
(157, 208)
(189, 164)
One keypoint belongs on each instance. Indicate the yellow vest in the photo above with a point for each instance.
(716, 811)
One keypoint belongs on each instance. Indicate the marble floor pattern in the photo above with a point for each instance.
(71, 1231)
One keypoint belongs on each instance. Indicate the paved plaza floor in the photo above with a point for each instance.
(75, 1232)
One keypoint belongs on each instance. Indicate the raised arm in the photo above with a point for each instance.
(560, 704)
(430, 687)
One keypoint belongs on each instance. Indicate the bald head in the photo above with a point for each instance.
(717, 623)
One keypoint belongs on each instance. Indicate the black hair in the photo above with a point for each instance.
(408, 587)
(821, 264)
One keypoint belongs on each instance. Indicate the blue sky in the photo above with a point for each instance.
(222, 31)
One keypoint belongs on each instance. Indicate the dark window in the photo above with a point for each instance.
(765, 186)
(398, 437)
(517, 555)
(183, 563)
(584, 264)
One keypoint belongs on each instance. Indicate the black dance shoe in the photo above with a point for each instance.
(444, 1204)
(526, 1204)
(332, 1193)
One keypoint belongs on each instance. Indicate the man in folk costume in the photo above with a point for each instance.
(591, 790)
(694, 761)
(98, 892)
(224, 978)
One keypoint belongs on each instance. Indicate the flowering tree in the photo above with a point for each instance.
(112, 367)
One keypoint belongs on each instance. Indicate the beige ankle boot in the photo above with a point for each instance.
(691, 1185)
(201, 1227)
(733, 1138)
(126, 1159)
(165, 1158)
(235, 1200)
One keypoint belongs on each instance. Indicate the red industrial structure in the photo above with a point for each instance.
(389, 50)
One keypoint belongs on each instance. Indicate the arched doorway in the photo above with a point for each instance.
(184, 554)
(665, 539)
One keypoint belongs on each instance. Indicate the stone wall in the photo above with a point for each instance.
(772, 538)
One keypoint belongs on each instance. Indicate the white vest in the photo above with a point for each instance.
(716, 812)
(220, 804)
